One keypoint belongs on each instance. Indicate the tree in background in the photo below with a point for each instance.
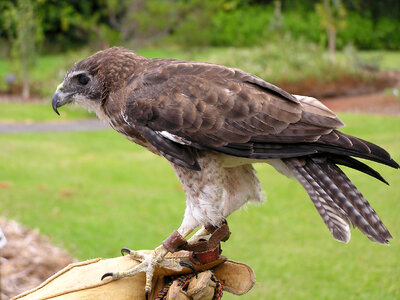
(73, 24)
(25, 34)
(333, 18)
(276, 24)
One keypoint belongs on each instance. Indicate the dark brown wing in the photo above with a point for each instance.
(213, 106)
(227, 110)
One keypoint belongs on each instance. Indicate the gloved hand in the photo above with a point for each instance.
(82, 280)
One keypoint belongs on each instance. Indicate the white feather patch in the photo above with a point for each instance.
(75, 73)
(174, 138)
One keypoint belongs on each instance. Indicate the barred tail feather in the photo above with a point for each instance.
(336, 199)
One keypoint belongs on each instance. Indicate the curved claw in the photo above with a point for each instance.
(186, 264)
(125, 251)
(147, 295)
(107, 274)
(147, 265)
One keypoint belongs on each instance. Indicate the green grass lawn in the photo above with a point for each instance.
(386, 60)
(95, 192)
(35, 112)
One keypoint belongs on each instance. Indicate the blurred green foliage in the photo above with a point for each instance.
(24, 29)
(74, 23)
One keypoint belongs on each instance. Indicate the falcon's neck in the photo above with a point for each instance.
(92, 106)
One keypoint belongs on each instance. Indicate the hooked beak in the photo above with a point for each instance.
(59, 99)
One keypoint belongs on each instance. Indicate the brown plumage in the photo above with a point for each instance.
(211, 122)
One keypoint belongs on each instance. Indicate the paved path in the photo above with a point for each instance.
(76, 125)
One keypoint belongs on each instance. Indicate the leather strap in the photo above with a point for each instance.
(174, 242)
(207, 251)
(220, 234)
(201, 258)
(202, 252)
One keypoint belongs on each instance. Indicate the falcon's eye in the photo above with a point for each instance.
(83, 79)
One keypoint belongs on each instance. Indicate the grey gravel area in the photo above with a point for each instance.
(77, 125)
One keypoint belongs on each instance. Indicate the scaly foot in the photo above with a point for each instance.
(148, 263)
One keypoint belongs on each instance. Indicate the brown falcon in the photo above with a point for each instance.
(211, 123)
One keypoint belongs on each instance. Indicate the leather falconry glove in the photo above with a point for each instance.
(83, 280)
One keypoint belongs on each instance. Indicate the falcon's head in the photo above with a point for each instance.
(90, 81)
